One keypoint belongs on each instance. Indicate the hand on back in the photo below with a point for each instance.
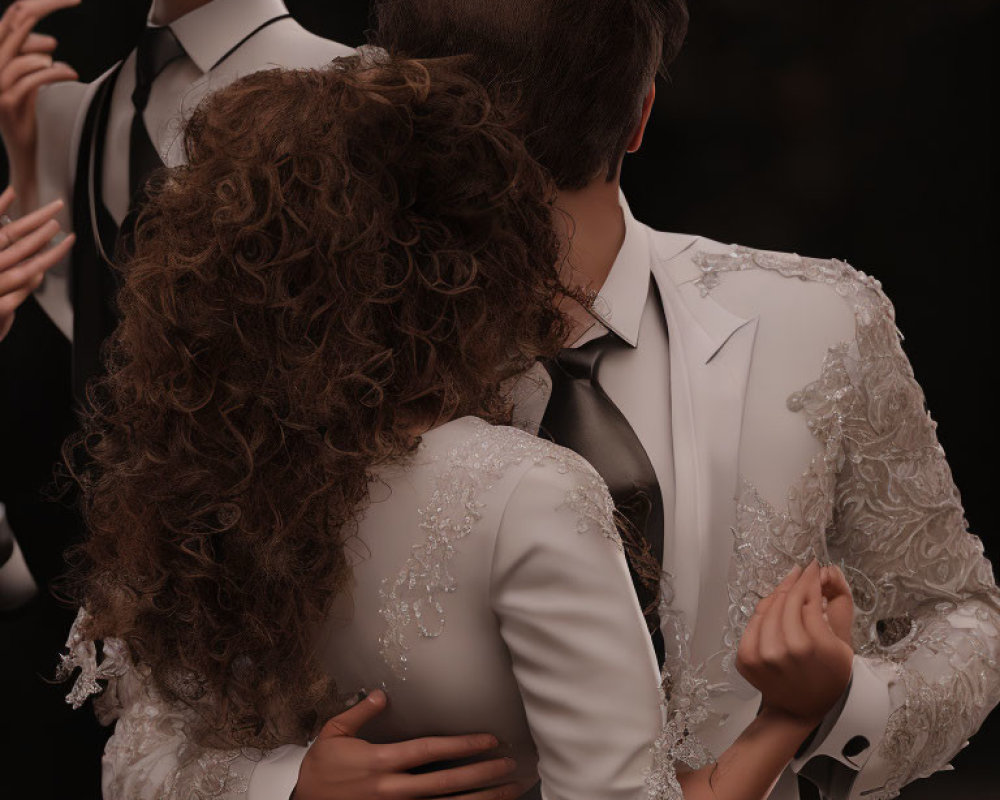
(340, 766)
(795, 651)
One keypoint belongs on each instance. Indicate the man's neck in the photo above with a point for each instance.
(593, 229)
(167, 11)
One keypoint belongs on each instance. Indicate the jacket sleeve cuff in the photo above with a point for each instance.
(274, 777)
(842, 760)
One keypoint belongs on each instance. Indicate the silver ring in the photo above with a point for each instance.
(5, 220)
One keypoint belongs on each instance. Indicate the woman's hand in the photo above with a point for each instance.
(24, 258)
(339, 766)
(791, 653)
(837, 602)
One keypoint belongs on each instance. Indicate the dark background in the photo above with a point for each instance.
(857, 129)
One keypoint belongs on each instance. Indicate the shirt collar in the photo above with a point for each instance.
(209, 32)
(620, 303)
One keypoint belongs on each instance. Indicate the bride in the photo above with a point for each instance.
(300, 483)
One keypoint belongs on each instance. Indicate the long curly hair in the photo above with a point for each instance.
(350, 255)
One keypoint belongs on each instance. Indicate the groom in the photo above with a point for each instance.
(748, 409)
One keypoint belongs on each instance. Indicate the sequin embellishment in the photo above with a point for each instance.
(414, 598)
(880, 499)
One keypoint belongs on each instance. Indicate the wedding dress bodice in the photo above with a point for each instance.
(490, 593)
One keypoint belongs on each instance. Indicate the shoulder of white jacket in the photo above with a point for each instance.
(753, 282)
(287, 44)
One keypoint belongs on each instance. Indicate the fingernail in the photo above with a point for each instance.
(357, 698)
(376, 697)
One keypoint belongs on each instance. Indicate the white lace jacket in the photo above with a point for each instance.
(844, 466)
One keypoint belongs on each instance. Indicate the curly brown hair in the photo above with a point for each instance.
(348, 255)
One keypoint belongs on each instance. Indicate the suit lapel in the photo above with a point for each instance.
(61, 134)
(710, 355)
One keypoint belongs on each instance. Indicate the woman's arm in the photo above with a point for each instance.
(791, 653)
(578, 645)
(585, 667)
(748, 769)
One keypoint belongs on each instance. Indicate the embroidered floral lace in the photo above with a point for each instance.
(686, 698)
(880, 500)
(413, 598)
(150, 755)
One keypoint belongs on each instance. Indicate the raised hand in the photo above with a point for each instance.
(25, 65)
(791, 653)
(23, 257)
(339, 766)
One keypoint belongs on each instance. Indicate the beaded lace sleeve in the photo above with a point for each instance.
(150, 755)
(880, 499)
(928, 606)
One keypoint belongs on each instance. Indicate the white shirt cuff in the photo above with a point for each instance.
(852, 738)
(276, 774)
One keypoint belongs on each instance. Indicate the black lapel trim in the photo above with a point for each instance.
(248, 37)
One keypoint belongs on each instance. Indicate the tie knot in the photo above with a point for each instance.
(582, 362)
(157, 48)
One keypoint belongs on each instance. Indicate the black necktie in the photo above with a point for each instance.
(582, 417)
(157, 48)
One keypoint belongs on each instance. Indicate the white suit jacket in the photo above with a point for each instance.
(800, 431)
(796, 429)
(207, 35)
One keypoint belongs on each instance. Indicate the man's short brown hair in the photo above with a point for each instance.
(577, 69)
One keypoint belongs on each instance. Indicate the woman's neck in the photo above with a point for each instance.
(165, 12)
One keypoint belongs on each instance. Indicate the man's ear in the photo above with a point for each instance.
(647, 106)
